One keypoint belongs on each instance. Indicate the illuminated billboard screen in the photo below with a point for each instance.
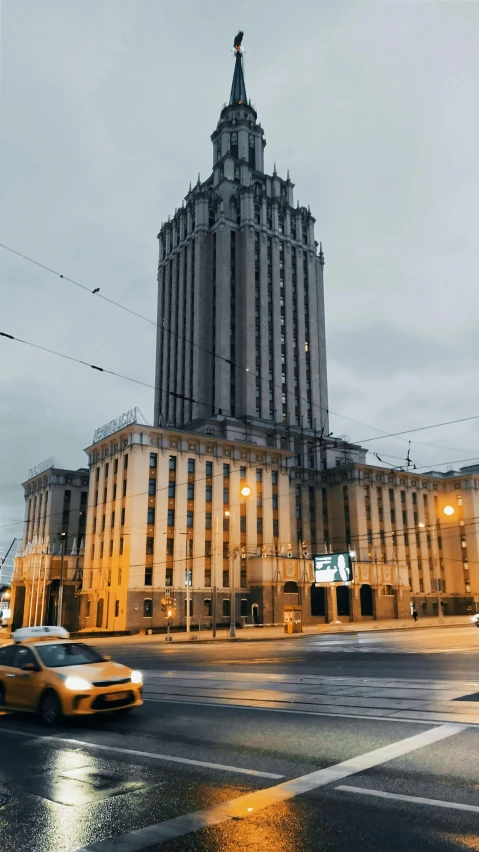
(333, 568)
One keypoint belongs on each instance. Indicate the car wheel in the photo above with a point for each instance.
(50, 709)
(2, 695)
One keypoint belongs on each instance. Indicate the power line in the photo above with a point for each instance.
(96, 367)
(420, 429)
(96, 291)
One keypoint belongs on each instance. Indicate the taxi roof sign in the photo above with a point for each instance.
(25, 633)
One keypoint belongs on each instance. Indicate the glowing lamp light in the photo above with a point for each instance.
(246, 491)
(448, 510)
(421, 524)
(227, 514)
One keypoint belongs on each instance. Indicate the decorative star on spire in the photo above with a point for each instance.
(238, 88)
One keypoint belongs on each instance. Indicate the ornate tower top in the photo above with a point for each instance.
(238, 88)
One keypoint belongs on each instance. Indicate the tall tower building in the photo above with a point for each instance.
(241, 328)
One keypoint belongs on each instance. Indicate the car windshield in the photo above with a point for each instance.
(67, 654)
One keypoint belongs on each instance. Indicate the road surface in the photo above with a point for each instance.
(344, 743)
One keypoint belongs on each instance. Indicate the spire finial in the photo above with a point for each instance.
(190, 187)
(199, 179)
(238, 88)
(287, 176)
(274, 169)
(321, 255)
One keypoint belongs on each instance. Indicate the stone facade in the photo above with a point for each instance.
(241, 327)
(55, 520)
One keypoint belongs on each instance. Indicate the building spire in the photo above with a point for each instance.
(238, 88)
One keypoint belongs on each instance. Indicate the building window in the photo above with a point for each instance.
(125, 462)
(191, 465)
(172, 463)
(189, 519)
(111, 547)
(259, 526)
(121, 546)
(124, 488)
(153, 459)
(259, 475)
(209, 468)
(152, 487)
(171, 489)
(226, 470)
(208, 519)
(208, 493)
(147, 607)
(226, 608)
(275, 527)
(150, 544)
(226, 495)
(190, 491)
(171, 518)
(117, 609)
(148, 575)
(150, 515)
(207, 547)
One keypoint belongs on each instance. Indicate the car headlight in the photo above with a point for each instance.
(77, 683)
(136, 677)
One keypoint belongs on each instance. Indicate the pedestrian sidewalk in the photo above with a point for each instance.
(262, 634)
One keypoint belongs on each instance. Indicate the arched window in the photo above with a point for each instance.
(218, 150)
(207, 607)
(290, 588)
(147, 608)
(257, 214)
(244, 607)
(234, 144)
(281, 223)
(226, 608)
(305, 234)
(212, 217)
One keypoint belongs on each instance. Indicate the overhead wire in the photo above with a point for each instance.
(96, 291)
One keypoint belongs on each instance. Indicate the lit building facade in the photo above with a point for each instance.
(54, 533)
(413, 535)
(166, 506)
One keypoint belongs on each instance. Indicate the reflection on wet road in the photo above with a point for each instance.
(268, 746)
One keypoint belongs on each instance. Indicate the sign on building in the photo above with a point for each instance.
(333, 568)
(125, 419)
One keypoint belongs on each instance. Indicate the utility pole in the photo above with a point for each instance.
(60, 589)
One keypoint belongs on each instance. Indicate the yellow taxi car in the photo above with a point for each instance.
(46, 672)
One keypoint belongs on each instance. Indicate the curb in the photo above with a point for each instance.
(284, 637)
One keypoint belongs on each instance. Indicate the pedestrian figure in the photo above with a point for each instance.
(414, 614)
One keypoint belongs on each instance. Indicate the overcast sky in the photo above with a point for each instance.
(107, 107)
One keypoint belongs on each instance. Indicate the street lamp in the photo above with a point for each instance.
(448, 510)
(60, 589)
(245, 492)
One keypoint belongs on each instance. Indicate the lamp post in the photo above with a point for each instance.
(60, 589)
(448, 510)
(245, 492)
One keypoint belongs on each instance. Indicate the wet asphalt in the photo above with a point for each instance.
(81, 784)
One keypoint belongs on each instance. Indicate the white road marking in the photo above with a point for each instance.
(129, 752)
(418, 800)
(154, 835)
